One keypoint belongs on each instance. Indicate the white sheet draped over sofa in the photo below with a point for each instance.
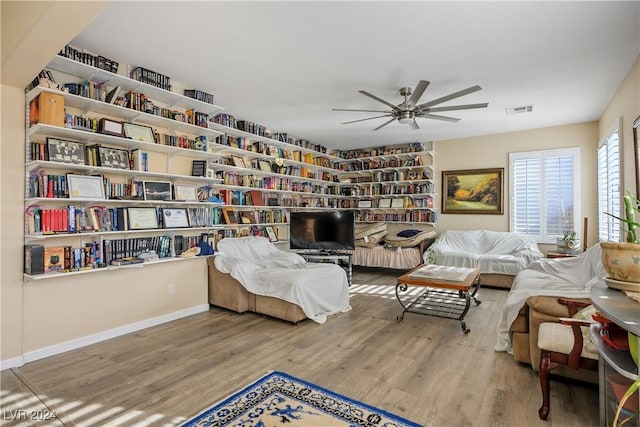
(557, 277)
(319, 289)
(496, 252)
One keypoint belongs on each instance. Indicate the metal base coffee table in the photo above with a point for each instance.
(449, 291)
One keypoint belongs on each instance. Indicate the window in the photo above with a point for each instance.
(609, 192)
(544, 193)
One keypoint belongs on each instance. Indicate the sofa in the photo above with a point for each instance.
(377, 245)
(252, 274)
(227, 292)
(500, 255)
(533, 300)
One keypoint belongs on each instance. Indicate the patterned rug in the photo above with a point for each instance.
(279, 399)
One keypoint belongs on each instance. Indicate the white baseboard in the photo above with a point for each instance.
(100, 336)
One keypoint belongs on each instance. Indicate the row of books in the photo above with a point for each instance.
(422, 215)
(182, 141)
(197, 118)
(382, 189)
(413, 147)
(39, 260)
(381, 164)
(97, 61)
(88, 89)
(391, 176)
(152, 78)
(118, 249)
(199, 95)
(47, 185)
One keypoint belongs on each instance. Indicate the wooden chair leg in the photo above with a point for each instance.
(545, 366)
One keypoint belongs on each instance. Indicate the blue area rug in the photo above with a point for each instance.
(280, 399)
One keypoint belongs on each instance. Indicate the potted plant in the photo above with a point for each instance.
(622, 259)
(569, 244)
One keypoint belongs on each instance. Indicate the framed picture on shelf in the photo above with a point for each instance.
(142, 218)
(139, 132)
(397, 203)
(472, 191)
(85, 187)
(265, 166)
(157, 190)
(364, 203)
(238, 162)
(113, 158)
(63, 151)
(110, 127)
(175, 218)
(271, 233)
(198, 167)
(384, 203)
(185, 192)
(229, 216)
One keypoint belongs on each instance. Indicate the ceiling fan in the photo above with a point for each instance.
(407, 111)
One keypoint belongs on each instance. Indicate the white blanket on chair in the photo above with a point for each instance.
(557, 277)
(319, 289)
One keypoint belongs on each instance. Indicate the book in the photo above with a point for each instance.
(53, 259)
(113, 94)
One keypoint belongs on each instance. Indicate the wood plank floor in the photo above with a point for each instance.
(424, 368)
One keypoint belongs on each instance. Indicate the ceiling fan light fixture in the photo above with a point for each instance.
(406, 117)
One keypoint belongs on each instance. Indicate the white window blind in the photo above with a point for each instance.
(544, 193)
(609, 192)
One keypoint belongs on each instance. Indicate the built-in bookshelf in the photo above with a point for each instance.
(123, 142)
(393, 183)
(127, 166)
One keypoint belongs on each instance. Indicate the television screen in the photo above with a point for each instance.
(322, 230)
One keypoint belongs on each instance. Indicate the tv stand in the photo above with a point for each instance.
(331, 256)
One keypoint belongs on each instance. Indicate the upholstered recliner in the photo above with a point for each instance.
(533, 300)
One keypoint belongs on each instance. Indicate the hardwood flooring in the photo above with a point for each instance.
(423, 368)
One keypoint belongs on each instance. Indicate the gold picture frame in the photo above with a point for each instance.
(473, 191)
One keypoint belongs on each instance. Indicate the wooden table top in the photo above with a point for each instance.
(413, 279)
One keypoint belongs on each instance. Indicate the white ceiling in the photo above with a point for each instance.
(287, 64)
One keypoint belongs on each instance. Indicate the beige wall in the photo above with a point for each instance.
(625, 104)
(492, 151)
(43, 313)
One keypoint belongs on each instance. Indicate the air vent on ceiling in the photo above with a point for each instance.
(519, 110)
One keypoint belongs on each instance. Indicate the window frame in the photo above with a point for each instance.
(544, 237)
(614, 198)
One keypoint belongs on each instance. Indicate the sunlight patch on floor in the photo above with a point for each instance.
(19, 408)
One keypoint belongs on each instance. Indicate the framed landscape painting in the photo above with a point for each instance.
(473, 191)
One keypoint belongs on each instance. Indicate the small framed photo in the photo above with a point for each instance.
(229, 216)
(85, 187)
(63, 151)
(139, 133)
(142, 218)
(185, 192)
(157, 190)
(265, 166)
(113, 158)
(238, 162)
(175, 218)
(384, 203)
(397, 203)
(110, 127)
(364, 203)
(271, 233)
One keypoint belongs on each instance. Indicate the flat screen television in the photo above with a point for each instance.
(327, 231)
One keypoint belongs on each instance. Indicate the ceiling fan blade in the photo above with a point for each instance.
(364, 111)
(384, 124)
(417, 92)
(436, 117)
(456, 107)
(394, 107)
(368, 118)
(449, 97)
(414, 125)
